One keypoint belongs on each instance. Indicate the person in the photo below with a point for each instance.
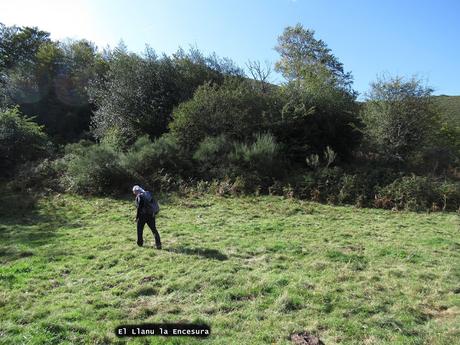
(144, 216)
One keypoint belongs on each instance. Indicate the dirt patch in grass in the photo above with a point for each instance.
(449, 313)
(305, 338)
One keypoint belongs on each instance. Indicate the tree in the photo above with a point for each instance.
(304, 56)
(399, 114)
(19, 45)
(135, 97)
(261, 74)
(18, 48)
(319, 108)
(49, 79)
(139, 93)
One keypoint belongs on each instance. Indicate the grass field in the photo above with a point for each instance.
(256, 269)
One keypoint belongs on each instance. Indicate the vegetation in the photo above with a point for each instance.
(398, 116)
(233, 109)
(48, 79)
(450, 106)
(256, 269)
(304, 56)
(78, 123)
(21, 140)
(169, 121)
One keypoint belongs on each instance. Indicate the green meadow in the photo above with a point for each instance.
(256, 269)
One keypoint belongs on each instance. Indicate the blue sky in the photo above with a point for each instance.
(370, 38)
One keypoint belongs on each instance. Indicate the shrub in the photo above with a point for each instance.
(21, 140)
(94, 169)
(414, 193)
(450, 195)
(211, 157)
(42, 175)
(260, 158)
(321, 185)
(334, 185)
(276, 188)
(239, 186)
(145, 159)
(251, 165)
(436, 160)
(352, 189)
(234, 109)
(400, 117)
(169, 155)
(314, 117)
(313, 161)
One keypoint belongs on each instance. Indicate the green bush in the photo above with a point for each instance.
(211, 157)
(146, 157)
(157, 164)
(322, 185)
(102, 169)
(352, 189)
(261, 158)
(248, 164)
(21, 140)
(234, 109)
(335, 185)
(43, 175)
(415, 193)
(94, 169)
(450, 195)
(314, 117)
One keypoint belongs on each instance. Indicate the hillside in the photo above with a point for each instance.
(451, 108)
(256, 269)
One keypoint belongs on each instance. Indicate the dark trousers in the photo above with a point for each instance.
(140, 229)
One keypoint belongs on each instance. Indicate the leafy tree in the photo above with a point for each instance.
(18, 48)
(319, 108)
(62, 73)
(399, 115)
(19, 45)
(49, 79)
(21, 140)
(138, 94)
(304, 56)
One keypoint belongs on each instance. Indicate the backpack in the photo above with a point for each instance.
(151, 206)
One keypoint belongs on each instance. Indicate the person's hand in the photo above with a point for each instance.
(135, 220)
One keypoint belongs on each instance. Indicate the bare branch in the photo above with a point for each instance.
(260, 73)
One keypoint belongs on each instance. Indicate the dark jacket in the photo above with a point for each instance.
(140, 204)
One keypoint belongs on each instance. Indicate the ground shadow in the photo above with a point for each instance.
(25, 227)
(203, 252)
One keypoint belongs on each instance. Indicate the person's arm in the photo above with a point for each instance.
(140, 204)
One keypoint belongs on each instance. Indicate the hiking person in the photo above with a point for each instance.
(147, 208)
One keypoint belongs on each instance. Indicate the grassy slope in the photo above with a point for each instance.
(450, 107)
(255, 269)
